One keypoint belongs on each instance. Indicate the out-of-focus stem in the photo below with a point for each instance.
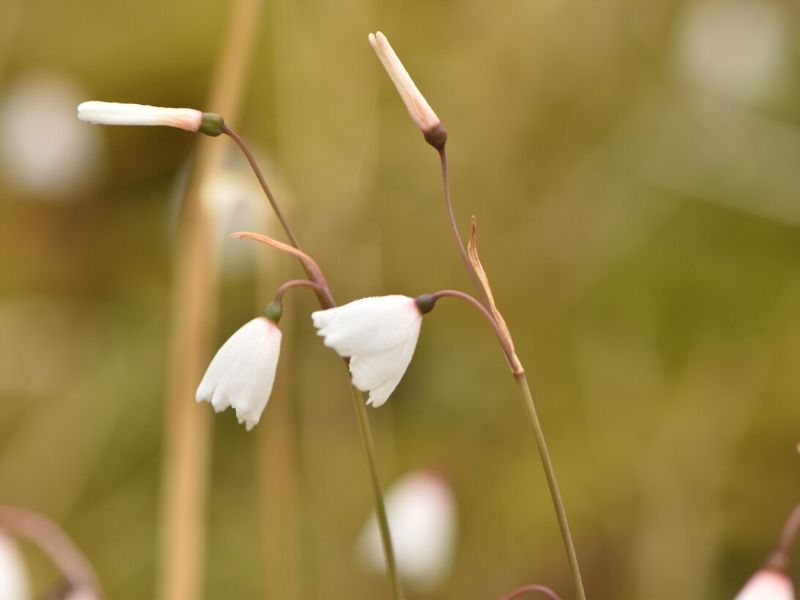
(187, 429)
(529, 589)
(49, 537)
(779, 559)
(552, 484)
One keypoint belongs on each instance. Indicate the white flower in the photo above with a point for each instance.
(423, 520)
(14, 583)
(415, 102)
(739, 50)
(243, 371)
(44, 151)
(378, 334)
(767, 584)
(118, 113)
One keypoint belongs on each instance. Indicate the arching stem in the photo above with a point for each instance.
(505, 343)
(54, 543)
(262, 181)
(295, 283)
(527, 589)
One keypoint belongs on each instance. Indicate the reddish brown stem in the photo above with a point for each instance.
(262, 181)
(294, 283)
(448, 204)
(55, 543)
(501, 336)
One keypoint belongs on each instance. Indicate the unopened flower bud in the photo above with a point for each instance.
(118, 113)
(419, 109)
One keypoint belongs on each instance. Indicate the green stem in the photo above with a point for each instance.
(326, 301)
(558, 504)
(380, 506)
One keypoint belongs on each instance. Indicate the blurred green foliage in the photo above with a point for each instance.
(639, 222)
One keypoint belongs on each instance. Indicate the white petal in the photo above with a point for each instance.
(14, 583)
(367, 325)
(242, 373)
(423, 519)
(767, 585)
(120, 113)
(379, 335)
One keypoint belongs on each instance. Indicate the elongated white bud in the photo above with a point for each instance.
(418, 107)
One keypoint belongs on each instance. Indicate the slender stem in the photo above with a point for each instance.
(295, 283)
(542, 589)
(779, 559)
(262, 181)
(380, 506)
(508, 349)
(558, 504)
(789, 532)
(448, 204)
(326, 301)
(55, 543)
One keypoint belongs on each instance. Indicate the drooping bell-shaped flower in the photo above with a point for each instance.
(120, 113)
(378, 335)
(423, 519)
(242, 372)
(767, 584)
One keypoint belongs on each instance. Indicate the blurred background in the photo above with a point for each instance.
(634, 168)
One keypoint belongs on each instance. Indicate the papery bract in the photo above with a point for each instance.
(242, 372)
(378, 334)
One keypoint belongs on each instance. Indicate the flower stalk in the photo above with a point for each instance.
(320, 285)
(380, 504)
(552, 484)
(428, 122)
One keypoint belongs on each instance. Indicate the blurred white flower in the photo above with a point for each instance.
(43, 149)
(234, 202)
(14, 583)
(120, 113)
(378, 334)
(767, 584)
(423, 520)
(735, 48)
(82, 594)
(419, 109)
(243, 371)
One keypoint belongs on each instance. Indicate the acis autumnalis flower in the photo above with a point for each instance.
(378, 335)
(242, 372)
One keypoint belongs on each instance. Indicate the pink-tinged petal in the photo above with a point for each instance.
(418, 107)
(767, 584)
(120, 113)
